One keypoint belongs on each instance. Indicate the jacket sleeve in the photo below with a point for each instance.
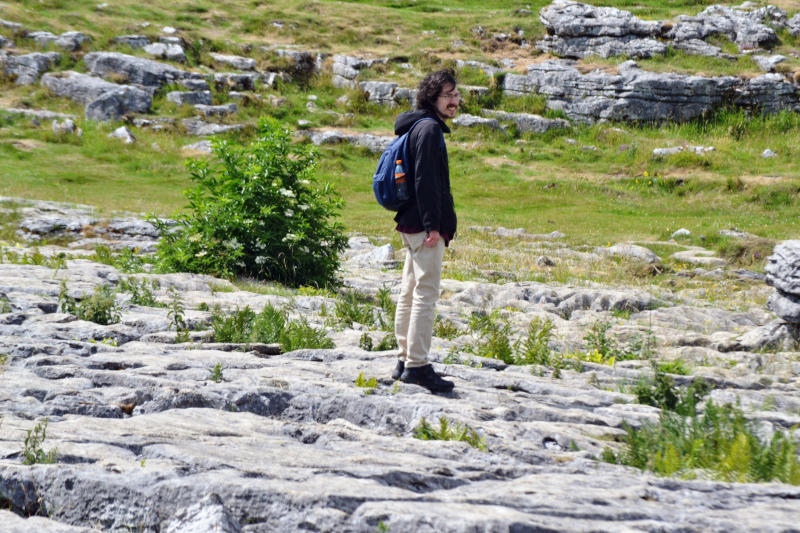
(428, 175)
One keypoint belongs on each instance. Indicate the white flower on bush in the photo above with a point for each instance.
(302, 207)
(201, 253)
(288, 213)
(286, 192)
(232, 243)
(290, 237)
(260, 260)
(305, 182)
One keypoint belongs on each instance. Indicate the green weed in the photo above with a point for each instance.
(101, 307)
(33, 453)
(175, 314)
(370, 384)
(141, 290)
(215, 374)
(449, 431)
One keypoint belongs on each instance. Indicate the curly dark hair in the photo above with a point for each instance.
(431, 87)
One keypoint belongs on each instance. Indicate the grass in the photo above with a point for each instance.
(449, 430)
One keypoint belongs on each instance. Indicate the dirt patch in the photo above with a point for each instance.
(26, 145)
(497, 162)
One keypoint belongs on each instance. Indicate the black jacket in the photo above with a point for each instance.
(431, 204)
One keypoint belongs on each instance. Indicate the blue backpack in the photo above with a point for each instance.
(389, 182)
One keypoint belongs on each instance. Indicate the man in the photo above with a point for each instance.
(427, 224)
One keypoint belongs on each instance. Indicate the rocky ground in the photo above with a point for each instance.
(148, 441)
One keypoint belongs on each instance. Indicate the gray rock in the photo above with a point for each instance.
(465, 120)
(189, 97)
(580, 47)
(113, 105)
(6, 43)
(637, 95)
(736, 234)
(698, 47)
(682, 232)
(206, 129)
(38, 113)
(374, 143)
(14, 26)
(72, 40)
(699, 257)
(743, 26)
(632, 251)
(768, 154)
(302, 64)
(134, 41)
(42, 38)
(209, 514)
(529, 123)
(236, 82)
(171, 52)
(200, 146)
(26, 69)
(574, 19)
(195, 84)
(104, 100)
(699, 150)
(217, 110)
(123, 134)
(237, 62)
(135, 69)
(13, 523)
(768, 63)
(491, 70)
(67, 127)
(793, 25)
(783, 267)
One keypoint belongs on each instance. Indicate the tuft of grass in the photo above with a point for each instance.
(369, 384)
(215, 374)
(720, 444)
(450, 431)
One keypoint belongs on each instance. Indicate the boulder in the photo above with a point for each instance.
(793, 25)
(768, 63)
(783, 267)
(189, 97)
(631, 251)
(194, 84)
(5, 42)
(237, 62)
(171, 52)
(26, 69)
(123, 134)
(72, 40)
(67, 127)
(135, 69)
(42, 38)
(386, 93)
(104, 100)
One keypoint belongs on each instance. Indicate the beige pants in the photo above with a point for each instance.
(419, 291)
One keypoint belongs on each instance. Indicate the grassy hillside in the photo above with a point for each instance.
(604, 187)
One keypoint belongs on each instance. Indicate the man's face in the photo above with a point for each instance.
(447, 102)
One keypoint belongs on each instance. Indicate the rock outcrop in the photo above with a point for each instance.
(633, 94)
(149, 439)
(27, 69)
(104, 100)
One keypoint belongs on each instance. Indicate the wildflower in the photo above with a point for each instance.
(201, 253)
(286, 192)
(288, 213)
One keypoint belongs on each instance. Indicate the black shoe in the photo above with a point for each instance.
(426, 377)
(398, 370)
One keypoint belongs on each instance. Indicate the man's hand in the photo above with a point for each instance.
(432, 239)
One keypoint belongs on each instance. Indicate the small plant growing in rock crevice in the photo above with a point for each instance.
(215, 374)
(177, 320)
(101, 307)
(141, 291)
(369, 384)
(449, 431)
(33, 453)
(445, 328)
(535, 348)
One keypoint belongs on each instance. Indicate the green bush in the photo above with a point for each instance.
(140, 290)
(255, 212)
(535, 348)
(660, 391)
(236, 327)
